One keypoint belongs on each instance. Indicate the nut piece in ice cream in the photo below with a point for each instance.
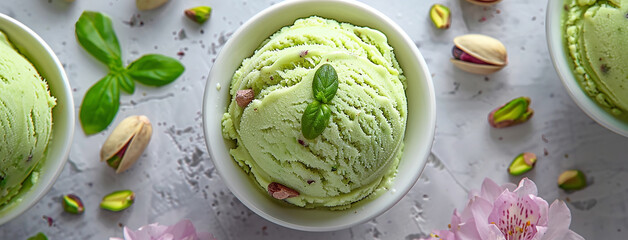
(126, 143)
(244, 97)
(479, 54)
(279, 191)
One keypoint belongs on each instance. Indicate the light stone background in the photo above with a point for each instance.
(176, 179)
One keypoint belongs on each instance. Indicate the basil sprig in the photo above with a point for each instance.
(94, 31)
(317, 113)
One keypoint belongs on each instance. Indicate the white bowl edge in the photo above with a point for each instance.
(553, 31)
(48, 65)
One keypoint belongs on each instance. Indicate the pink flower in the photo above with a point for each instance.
(183, 230)
(497, 213)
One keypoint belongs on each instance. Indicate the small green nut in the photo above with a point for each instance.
(73, 204)
(572, 180)
(198, 14)
(441, 16)
(512, 113)
(118, 200)
(39, 236)
(522, 164)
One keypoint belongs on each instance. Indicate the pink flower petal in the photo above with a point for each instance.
(481, 209)
(516, 216)
(494, 233)
(490, 190)
(526, 187)
(559, 221)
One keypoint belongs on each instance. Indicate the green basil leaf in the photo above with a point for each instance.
(100, 105)
(325, 83)
(39, 236)
(315, 119)
(95, 33)
(155, 69)
(125, 82)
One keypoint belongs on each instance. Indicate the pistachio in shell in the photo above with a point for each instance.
(126, 143)
(479, 54)
(484, 2)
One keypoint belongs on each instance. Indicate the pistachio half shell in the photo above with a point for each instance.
(484, 2)
(127, 142)
(479, 54)
(149, 4)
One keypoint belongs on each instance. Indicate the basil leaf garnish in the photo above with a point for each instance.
(94, 31)
(325, 83)
(155, 70)
(315, 119)
(100, 105)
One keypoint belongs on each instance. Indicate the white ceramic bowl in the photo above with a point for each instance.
(560, 58)
(420, 126)
(47, 64)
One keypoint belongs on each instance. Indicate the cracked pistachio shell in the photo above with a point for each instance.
(134, 133)
(484, 2)
(149, 4)
(482, 47)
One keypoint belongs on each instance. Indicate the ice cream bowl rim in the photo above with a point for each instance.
(420, 125)
(39, 53)
(560, 60)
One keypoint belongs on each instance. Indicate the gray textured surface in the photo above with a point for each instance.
(176, 179)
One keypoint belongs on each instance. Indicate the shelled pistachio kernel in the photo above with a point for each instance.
(198, 14)
(512, 113)
(118, 200)
(572, 180)
(522, 163)
(73, 204)
(441, 16)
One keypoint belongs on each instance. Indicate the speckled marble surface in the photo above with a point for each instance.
(176, 179)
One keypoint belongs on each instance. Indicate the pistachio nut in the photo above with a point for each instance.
(73, 204)
(440, 15)
(118, 200)
(198, 14)
(149, 4)
(244, 97)
(572, 180)
(522, 163)
(126, 143)
(479, 54)
(280, 191)
(484, 2)
(512, 113)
